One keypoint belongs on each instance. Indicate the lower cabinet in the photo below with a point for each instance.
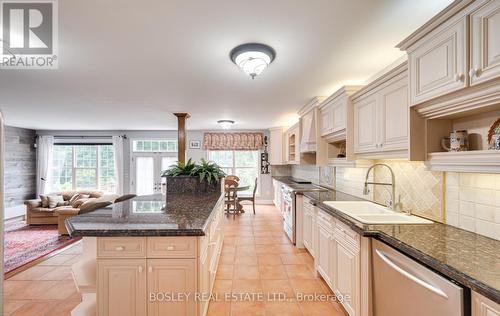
(482, 306)
(323, 254)
(122, 287)
(347, 278)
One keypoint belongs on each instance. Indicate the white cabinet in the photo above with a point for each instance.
(347, 277)
(381, 116)
(485, 42)
(438, 63)
(339, 112)
(323, 252)
(326, 120)
(277, 154)
(308, 227)
(292, 143)
(366, 125)
(482, 306)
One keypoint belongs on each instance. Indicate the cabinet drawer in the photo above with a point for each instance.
(171, 247)
(121, 247)
(325, 220)
(346, 235)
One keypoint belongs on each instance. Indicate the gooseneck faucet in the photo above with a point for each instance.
(392, 202)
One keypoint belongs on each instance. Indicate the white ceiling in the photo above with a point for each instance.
(130, 64)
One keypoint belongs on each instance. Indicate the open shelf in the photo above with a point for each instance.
(485, 161)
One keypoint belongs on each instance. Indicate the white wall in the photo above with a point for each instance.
(195, 154)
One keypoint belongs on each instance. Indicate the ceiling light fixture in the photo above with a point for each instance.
(252, 58)
(225, 124)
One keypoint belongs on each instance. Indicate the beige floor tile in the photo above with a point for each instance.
(60, 291)
(57, 260)
(225, 272)
(269, 259)
(64, 308)
(303, 286)
(247, 286)
(299, 271)
(246, 272)
(248, 309)
(10, 306)
(221, 287)
(34, 273)
(319, 309)
(283, 309)
(288, 258)
(272, 272)
(246, 260)
(219, 309)
(36, 308)
(277, 287)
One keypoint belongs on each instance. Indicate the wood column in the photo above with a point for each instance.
(181, 132)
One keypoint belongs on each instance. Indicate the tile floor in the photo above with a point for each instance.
(257, 259)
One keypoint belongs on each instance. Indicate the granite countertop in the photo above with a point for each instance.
(468, 258)
(183, 214)
(297, 187)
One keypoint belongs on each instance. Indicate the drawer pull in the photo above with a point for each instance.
(119, 248)
(170, 248)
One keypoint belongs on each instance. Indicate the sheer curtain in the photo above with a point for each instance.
(118, 152)
(45, 146)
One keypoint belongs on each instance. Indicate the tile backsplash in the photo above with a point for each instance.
(306, 172)
(473, 202)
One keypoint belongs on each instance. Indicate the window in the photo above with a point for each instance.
(244, 164)
(155, 145)
(83, 167)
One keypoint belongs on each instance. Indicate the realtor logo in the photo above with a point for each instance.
(29, 34)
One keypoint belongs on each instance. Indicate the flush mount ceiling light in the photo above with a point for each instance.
(253, 58)
(225, 124)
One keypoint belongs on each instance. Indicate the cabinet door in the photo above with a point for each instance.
(121, 288)
(307, 228)
(482, 306)
(365, 122)
(339, 116)
(485, 41)
(394, 111)
(439, 64)
(172, 276)
(326, 120)
(276, 154)
(348, 278)
(323, 253)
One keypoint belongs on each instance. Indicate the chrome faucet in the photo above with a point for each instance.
(392, 203)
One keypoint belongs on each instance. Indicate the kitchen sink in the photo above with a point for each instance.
(372, 213)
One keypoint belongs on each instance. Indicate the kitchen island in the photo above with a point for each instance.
(151, 255)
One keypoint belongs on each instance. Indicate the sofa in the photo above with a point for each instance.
(39, 214)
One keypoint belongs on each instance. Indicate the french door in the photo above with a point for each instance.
(146, 169)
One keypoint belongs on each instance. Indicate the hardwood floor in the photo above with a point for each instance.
(257, 259)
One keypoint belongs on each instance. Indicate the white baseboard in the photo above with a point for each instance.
(15, 211)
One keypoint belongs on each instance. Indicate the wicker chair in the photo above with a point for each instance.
(231, 197)
(250, 198)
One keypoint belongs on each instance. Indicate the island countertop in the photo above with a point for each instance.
(185, 214)
(468, 258)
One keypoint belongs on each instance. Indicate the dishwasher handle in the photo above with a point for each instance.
(410, 276)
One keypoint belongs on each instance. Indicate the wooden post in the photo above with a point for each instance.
(181, 131)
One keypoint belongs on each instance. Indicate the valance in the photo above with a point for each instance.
(233, 141)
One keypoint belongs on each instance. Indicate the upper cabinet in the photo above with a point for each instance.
(438, 64)
(292, 139)
(381, 116)
(454, 60)
(485, 41)
(277, 152)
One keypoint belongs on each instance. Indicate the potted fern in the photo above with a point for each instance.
(191, 177)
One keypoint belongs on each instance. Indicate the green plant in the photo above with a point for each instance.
(209, 171)
(180, 169)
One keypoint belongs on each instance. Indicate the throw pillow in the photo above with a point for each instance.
(54, 200)
(65, 203)
(75, 197)
(79, 202)
(45, 201)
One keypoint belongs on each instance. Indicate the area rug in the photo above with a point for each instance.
(23, 243)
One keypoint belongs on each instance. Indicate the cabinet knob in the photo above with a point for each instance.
(119, 248)
(150, 269)
(459, 77)
(474, 72)
(140, 269)
(170, 248)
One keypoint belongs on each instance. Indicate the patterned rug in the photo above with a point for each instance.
(23, 243)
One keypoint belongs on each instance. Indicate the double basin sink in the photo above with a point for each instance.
(371, 213)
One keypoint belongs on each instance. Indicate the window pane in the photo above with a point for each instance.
(86, 179)
(107, 177)
(222, 157)
(86, 156)
(162, 145)
(144, 175)
(62, 168)
(246, 158)
(247, 177)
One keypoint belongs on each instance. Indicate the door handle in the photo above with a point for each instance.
(410, 276)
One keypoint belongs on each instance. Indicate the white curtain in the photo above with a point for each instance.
(45, 146)
(118, 152)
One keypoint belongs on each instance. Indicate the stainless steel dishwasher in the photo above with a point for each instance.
(402, 286)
